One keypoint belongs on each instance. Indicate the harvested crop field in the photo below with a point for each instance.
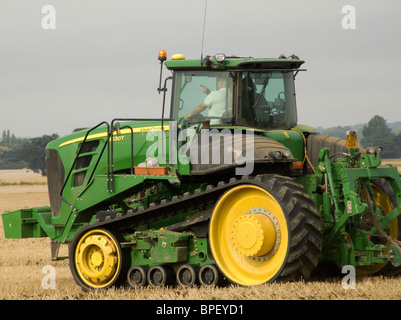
(22, 263)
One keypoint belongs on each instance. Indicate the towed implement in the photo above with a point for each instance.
(227, 188)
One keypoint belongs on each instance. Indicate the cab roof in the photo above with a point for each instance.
(231, 63)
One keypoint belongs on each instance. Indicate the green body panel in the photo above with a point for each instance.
(28, 223)
(304, 128)
(68, 146)
(154, 247)
(88, 185)
(292, 139)
(97, 196)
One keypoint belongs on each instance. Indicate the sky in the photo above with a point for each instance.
(99, 60)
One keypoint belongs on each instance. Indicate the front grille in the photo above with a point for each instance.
(55, 179)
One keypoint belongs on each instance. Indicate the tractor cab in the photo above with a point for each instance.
(231, 94)
(232, 91)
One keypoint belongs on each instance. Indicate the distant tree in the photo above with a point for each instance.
(9, 139)
(339, 131)
(3, 152)
(32, 151)
(4, 138)
(397, 140)
(378, 133)
(8, 159)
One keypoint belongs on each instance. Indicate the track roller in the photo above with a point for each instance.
(187, 275)
(210, 276)
(137, 276)
(160, 276)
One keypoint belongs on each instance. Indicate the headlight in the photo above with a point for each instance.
(374, 150)
(220, 57)
(287, 154)
(275, 155)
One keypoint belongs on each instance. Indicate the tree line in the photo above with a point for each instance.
(19, 153)
(376, 133)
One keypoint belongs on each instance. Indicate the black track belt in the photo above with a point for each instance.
(167, 208)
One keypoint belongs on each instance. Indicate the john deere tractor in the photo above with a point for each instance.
(227, 188)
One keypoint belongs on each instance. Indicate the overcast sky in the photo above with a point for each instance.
(100, 62)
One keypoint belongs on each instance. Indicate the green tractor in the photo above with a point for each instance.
(228, 187)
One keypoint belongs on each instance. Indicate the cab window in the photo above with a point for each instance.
(215, 89)
(267, 100)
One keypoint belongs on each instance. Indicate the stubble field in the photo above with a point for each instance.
(22, 262)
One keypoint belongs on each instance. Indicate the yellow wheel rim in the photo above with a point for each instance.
(248, 235)
(384, 202)
(97, 259)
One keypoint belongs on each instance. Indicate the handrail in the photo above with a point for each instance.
(132, 148)
(76, 158)
(110, 152)
(111, 180)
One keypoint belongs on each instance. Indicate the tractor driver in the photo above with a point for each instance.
(215, 101)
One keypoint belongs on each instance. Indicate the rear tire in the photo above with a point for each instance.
(266, 230)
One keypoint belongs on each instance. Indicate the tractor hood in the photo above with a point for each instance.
(229, 151)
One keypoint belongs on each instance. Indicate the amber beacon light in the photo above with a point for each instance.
(162, 55)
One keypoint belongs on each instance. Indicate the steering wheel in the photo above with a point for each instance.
(196, 118)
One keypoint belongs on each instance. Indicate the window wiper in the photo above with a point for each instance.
(261, 92)
(183, 86)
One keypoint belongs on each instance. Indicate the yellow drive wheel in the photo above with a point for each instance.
(250, 237)
(384, 197)
(97, 259)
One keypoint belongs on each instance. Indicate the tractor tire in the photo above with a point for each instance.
(265, 230)
(97, 260)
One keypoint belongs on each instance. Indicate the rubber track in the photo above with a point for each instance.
(168, 208)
